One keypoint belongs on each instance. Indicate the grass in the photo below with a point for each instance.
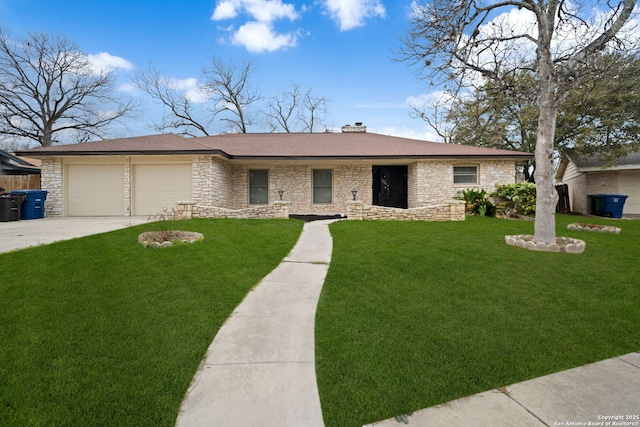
(100, 331)
(415, 314)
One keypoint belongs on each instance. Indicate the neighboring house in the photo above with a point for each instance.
(18, 173)
(586, 176)
(274, 174)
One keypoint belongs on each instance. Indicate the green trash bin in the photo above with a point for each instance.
(33, 205)
(597, 204)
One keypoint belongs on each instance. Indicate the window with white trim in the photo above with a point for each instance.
(322, 186)
(465, 174)
(259, 187)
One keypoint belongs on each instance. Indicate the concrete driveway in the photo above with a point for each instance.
(33, 232)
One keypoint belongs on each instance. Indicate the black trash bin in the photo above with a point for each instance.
(33, 206)
(11, 206)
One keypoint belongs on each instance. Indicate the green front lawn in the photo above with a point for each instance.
(414, 314)
(101, 331)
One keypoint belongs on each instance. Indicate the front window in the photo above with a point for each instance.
(465, 174)
(258, 187)
(322, 185)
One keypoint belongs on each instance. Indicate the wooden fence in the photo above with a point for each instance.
(19, 182)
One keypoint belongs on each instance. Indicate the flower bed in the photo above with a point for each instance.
(165, 238)
(594, 227)
(562, 244)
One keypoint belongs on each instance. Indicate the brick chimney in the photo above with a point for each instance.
(353, 129)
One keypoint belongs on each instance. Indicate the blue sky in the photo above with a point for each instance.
(341, 49)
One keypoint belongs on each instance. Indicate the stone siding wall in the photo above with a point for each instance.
(297, 183)
(454, 211)
(127, 186)
(277, 209)
(431, 181)
(51, 181)
(211, 181)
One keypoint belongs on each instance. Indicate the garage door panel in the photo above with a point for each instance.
(158, 187)
(95, 190)
(629, 184)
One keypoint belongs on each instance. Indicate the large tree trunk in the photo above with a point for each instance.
(546, 194)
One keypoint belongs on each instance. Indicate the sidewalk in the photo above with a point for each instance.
(260, 368)
(605, 393)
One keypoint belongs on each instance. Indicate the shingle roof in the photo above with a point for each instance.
(357, 145)
(632, 158)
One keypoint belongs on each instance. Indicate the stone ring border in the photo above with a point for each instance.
(563, 244)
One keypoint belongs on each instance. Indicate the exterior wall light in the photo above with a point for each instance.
(354, 192)
(280, 192)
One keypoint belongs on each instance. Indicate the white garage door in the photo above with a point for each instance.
(95, 190)
(629, 184)
(156, 187)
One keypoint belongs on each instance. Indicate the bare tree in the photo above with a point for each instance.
(313, 111)
(229, 88)
(466, 42)
(49, 89)
(293, 109)
(282, 109)
(435, 113)
(185, 115)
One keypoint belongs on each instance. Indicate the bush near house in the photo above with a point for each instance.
(476, 202)
(519, 198)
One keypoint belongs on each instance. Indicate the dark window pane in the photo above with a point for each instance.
(322, 185)
(258, 187)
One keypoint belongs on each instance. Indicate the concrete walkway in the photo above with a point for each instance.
(260, 368)
(33, 232)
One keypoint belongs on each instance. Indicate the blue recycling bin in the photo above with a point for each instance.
(33, 205)
(609, 205)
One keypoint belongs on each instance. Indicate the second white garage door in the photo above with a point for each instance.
(158, 187)
(629, 184)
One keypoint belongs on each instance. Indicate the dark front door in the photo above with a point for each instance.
(390, 186)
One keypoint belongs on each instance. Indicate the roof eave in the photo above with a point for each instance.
(41, 154)
(387, 157)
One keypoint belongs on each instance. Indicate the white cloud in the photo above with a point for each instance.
(352, 13)
(258, 34)
(192, 89)
(225, 10)
(429, 100)
(104, 62)
(260, 37)
(260, 10)
(129, 88)
(424, 134)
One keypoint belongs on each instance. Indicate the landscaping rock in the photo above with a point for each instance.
(167, 238)
(562, 244)
(594, 227)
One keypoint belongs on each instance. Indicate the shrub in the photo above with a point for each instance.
(519, 198)
(476, 202)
